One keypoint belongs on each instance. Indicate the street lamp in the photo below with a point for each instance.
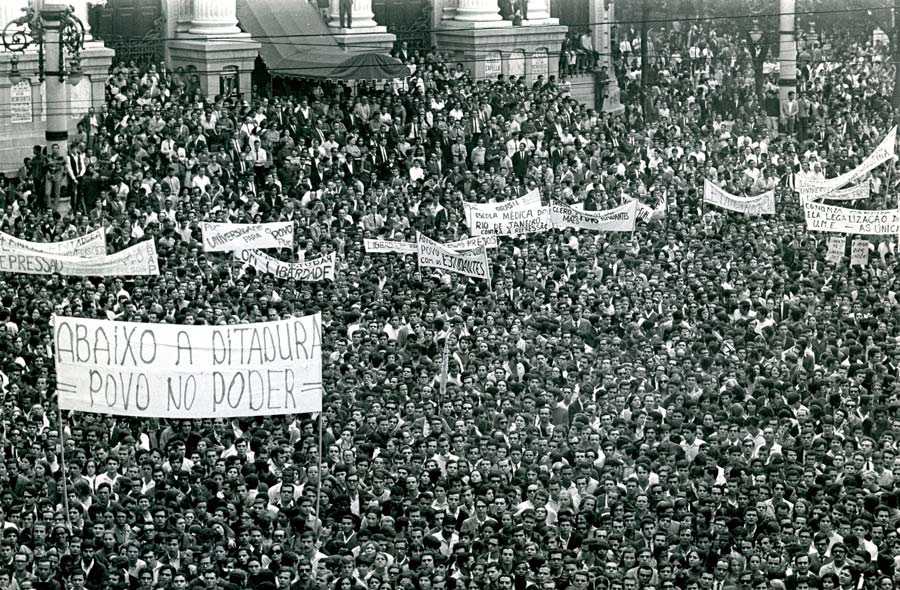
(756, 33)
(54, 25)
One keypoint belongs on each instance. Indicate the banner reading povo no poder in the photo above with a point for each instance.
(524, 215)
(171, 371)
(831, 219)
(230, 237)
(90, 245)
(762, 204)
(314, 269)
(813, 188)
(140, 259)
(621, 218)
(432, 254)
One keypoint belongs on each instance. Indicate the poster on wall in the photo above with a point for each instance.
(493, 65)
(20, 102)
(540, 65)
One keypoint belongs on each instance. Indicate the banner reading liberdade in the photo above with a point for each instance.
(314, 269)
(762, 204)
(139, 259)
(189, 372)
(229, 237)
(524, 215)
(389, 247)
(433, 255)
(90, 245)
(622, 218)
(828, 218)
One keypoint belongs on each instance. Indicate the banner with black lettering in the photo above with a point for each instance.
(762, 204)
(852, 193)
(90, 245)
(388, 247)
(431, 254)
(139, 259)
(315, 269)
(229, 237)
(488, 241)
(189, 372)
(622, 218)
(840, 220)
(524, 215)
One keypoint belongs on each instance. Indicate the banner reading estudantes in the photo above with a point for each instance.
(171, 371)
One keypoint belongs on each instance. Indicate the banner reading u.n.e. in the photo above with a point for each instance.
(171, 371)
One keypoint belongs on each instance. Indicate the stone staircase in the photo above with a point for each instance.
(583, 90)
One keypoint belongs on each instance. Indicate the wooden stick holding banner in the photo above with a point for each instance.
(62, 465)
(445, 366)
(319, 483)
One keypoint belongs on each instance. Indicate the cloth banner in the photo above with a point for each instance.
(91, 245)
(762, 204)
(828, 218)
(320, 268)
(524, 215)
(836, 245)
(622, 218)
(229, 237)
(431, 254)
(475, 243)
(813, 188)
(389, 247)
(139, 259)
(852, 193)
(188, 372)
(859, 252)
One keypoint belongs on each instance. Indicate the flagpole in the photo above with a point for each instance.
(319, 483)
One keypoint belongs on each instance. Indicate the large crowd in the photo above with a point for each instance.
(703, 404)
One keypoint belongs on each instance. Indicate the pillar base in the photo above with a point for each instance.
(489, 49)
(212, 59)
(612, 103)
(472, 24)
(370, 38)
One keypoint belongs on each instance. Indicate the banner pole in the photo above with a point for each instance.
(319, 483)
(62, 463)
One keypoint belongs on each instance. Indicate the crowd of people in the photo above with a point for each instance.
(704, 404)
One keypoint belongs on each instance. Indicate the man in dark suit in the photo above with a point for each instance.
(520, 160)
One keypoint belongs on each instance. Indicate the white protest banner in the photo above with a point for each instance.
(859, 252)
(524, 215)
(836, 245)
(852, 193)
(762, 204)
(139, 259)
(171, 371)
(622, 218)
(813, 188)
(229, 237)
(389, 247)
(91, 245)
(828, 218)
(434, 255)
(314, 269)
(475, 243)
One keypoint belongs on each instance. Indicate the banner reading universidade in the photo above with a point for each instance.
(171, 371)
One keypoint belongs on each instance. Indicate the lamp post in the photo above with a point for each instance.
(56, 33)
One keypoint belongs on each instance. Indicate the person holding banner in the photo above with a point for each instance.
(565, 369)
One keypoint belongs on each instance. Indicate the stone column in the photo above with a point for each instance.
(449, 9)
(81, 11)
(478, 11)
(602, 38)
(539, 14)
(361, 16)
(184, 11)
(213, 18)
